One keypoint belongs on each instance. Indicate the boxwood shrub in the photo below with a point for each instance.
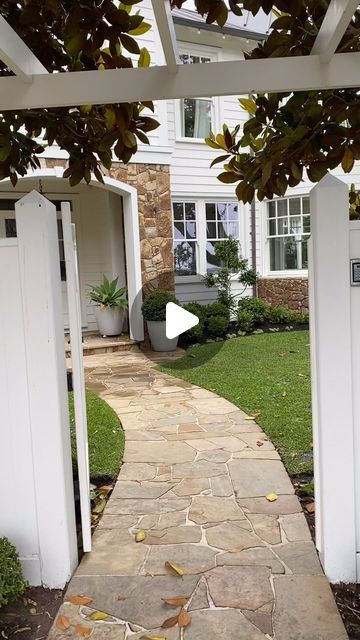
(260, 309)
(12, 583)
(154, 305)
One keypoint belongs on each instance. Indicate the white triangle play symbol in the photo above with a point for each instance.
(178, 320)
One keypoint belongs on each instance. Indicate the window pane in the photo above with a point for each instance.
(232, 211)
(305, 261)
(282, 208)
(272, 227)
(233, 229)
(283, 227)
(178, 210)
(295, 225)
(306, 206)
(210, 211)
(212, 264)
(221, 211)
(185, 258)
(222, 229)
(294, 205)
(272, 209)
(190, 213)
(191, 230)
(285, 253)
(196, 118)
(10, 228)
(179, 230)
(306, 224)
(211, 229)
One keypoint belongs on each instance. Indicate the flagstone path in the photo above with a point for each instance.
(195, 478)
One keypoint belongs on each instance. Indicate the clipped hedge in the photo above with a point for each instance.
(12, 583)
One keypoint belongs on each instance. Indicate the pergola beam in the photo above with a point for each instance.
(163, 17)
(270, 75)
(16, 54)
(335, 23)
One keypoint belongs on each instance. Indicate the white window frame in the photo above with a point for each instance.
(206, 52)
(200, 210)
(283, 273)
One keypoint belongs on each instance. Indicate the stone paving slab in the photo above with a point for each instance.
(195, 477)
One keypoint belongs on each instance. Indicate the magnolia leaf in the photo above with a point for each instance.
(80, 600)
(99, 615)
(100, 506)
(140, 536)
(170, 622)
(271, 497)
(249, 105)
(83, 631)
(62, 622)
(144, 27)
(184, 619)
(177, 601)
(178, 570)
(105, 489)
(228, 177)
(249, 418)
(348, 160)
(266, 173)
(212, 143)
(144, 58)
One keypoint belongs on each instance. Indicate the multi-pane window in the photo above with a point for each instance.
(288, 225)
(196, 113)
(185, 236)
(222, 221)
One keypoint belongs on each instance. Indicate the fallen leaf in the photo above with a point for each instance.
(178, 570)
(80, 600)
(121, 598)
(99, 615)
(249, 418)
(177, 601)
(259, 443)
(105, 489)
(140, 536)
(152, 638)
(100, 506)
(184, 619)
(62, 622)
(256, 414)
(310, 507)
(271, 497)
(84, 631)
(170, 622)
(22, 630)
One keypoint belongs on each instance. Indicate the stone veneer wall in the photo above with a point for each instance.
(289, 292)
(152, 183)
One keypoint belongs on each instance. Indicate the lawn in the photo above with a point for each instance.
(105, 436)
(267, 374)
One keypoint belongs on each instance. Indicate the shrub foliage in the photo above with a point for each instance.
(12, 583)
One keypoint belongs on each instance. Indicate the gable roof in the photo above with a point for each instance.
(245, 26)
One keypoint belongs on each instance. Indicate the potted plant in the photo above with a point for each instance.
(154, 312)
(110, 306)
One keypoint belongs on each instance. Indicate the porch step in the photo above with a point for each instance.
(94, 344)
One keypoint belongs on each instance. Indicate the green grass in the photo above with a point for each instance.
(268, 373)
(105, 435)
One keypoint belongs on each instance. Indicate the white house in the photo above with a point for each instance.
(157, 220)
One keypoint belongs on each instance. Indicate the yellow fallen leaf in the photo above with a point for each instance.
(177, 601)
(271, 497)
(99, 615)
(80, 600)
(140, 536)
(249, 418)
(170, 622)
(178, 570)
(184, 619)
(121, 598)
(152, 638)
(310, 507)
(62, 622)
(83, 631)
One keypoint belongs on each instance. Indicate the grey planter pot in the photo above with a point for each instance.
(109, 320)
(159, 341)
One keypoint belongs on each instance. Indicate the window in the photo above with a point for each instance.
(10, 228)
(288, 225)
(184, 233)
(222, 221)
(196, 113)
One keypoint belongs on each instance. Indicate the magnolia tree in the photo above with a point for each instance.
(287, 135)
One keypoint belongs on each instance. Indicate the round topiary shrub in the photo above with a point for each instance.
(154, 305)
(217, 326)
(259, 308)
(12, 583)
(245, 320)
(217, 309)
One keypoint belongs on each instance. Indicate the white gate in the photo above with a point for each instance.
(37, 498)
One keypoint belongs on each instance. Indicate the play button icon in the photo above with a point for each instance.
(178, 320)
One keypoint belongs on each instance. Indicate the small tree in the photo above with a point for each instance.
(232, 264)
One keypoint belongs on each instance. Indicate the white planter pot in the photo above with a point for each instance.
(159, 341)
(109, 320)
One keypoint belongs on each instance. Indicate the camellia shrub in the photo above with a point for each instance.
(260, 309)
(12, 583)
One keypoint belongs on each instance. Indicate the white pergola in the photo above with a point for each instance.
(33, 87)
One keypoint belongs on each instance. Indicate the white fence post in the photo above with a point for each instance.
(46, 371)
(331, 355)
